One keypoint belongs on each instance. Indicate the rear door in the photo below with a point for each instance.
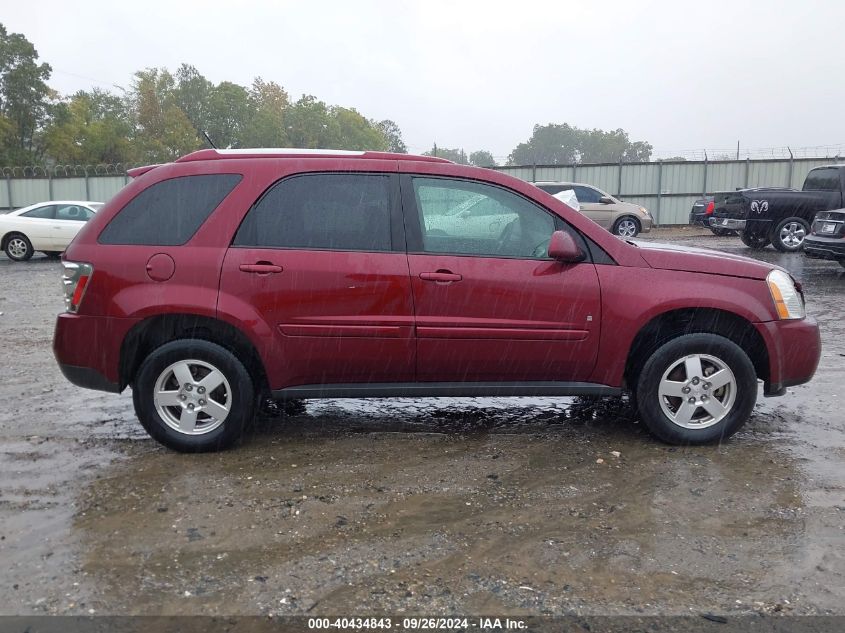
(321, 259)
(496, 308)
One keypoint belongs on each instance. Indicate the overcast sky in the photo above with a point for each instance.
(479, 75)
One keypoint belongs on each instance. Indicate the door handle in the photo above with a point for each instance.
(441, 276)
(260, 268)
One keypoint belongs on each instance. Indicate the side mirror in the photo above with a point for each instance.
(563, 248)
(605, 200)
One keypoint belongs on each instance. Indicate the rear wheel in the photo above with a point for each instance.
(754, 241)
(626, 226)
(696, 389)
(18, 247)
(193, 396)
(789, 234)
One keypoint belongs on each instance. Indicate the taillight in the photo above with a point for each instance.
(710, 207)
(75, 278)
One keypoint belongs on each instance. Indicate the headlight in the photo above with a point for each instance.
(788, 301)
(645, 212)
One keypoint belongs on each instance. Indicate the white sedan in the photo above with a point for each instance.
(47, 227)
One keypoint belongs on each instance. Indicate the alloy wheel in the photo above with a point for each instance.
(626, 228)
(17, 247)
(697, 391)
(192, 397)
(792, 235)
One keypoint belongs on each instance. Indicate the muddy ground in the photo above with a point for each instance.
(432, 506)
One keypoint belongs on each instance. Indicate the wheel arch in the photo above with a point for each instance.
(9, 234)
(668, 325)
(155, 331)
(627, 216)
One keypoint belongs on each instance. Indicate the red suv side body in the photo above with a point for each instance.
(323, 322)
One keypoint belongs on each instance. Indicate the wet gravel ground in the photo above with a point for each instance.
(508, 506)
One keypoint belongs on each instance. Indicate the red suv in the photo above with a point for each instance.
(230, 276)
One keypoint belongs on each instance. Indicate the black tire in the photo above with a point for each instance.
(672, 353)
(754, 241)
(625, 221)
(793, 230)
(721, 232)
(241, 396)
(18, 247)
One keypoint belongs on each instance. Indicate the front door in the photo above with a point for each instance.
(588, 199)
(321, 259)
(495, 307)
(70, 218)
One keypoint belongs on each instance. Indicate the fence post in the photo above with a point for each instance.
(50, 185)
(87, 186)
(791, 167)
(747, 170)
(704, 187)
(534, 173)
(659, 189)
(9, 191)
(619, 182)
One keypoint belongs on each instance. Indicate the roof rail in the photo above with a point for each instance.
(291, 152)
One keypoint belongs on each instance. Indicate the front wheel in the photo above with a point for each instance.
(19, 248)
(696, 389)
(754, 241)
(193, 396)
(626, 226)
(789, 234)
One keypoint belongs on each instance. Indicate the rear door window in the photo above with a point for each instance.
(344, 212)
(169, 212)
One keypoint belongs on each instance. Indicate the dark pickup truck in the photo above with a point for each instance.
(778, 215)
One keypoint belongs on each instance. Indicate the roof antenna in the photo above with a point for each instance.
(208, 138)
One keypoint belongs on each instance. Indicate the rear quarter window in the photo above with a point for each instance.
(169, 212)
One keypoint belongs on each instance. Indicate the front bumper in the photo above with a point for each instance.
(646, 223)
(727, 223)
(794, 348)
(824, 247)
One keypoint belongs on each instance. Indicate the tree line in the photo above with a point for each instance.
(162, 114)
